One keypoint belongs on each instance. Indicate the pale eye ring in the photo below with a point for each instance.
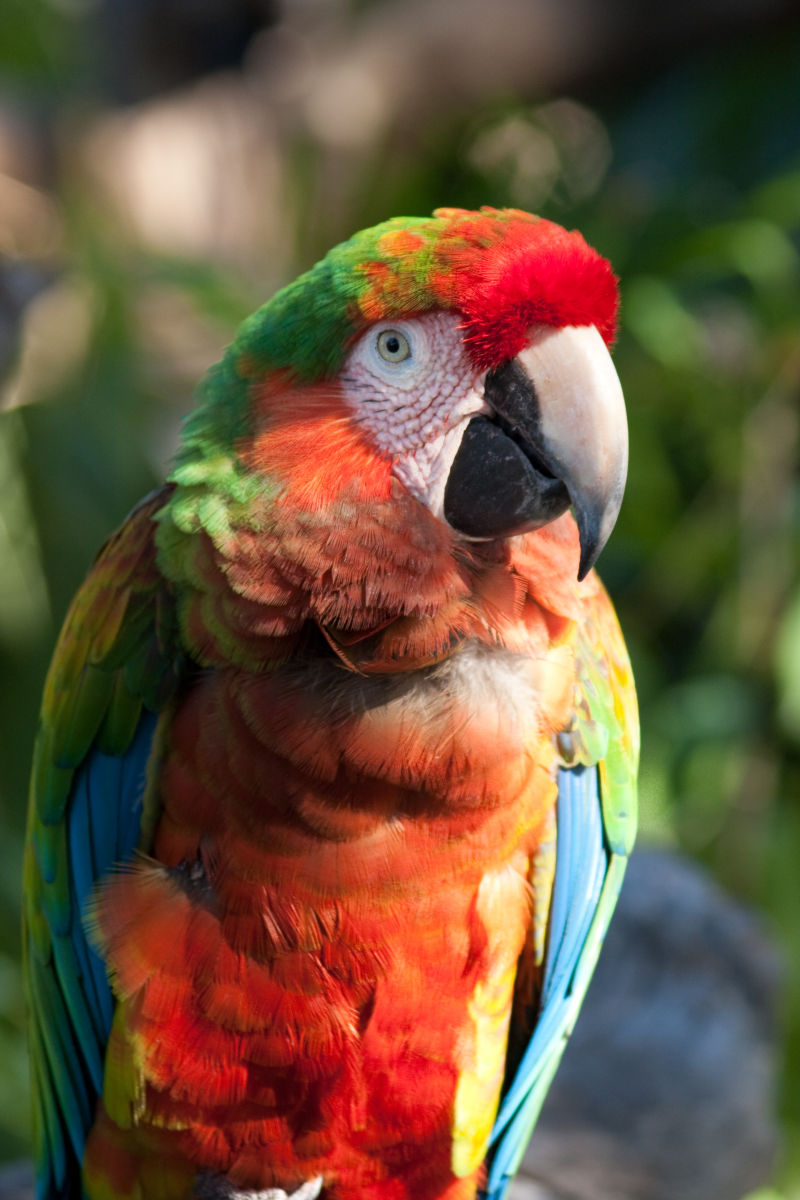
(393, 346)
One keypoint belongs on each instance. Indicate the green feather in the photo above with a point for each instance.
(121, 715)
(50, 784)
(78, 715)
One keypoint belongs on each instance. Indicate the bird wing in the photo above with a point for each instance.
(595, 828)
(115, 668)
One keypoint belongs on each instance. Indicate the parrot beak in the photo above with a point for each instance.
(556, 436)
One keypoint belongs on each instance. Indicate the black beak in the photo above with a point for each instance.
(556, 436)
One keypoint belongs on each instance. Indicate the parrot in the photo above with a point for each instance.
(334, 782)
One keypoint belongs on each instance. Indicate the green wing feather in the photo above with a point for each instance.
(116, 664)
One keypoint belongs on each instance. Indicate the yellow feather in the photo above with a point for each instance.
(503, 907)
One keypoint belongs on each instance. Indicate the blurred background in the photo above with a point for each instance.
(166, 164)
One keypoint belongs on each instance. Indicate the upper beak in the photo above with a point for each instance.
(557, 435)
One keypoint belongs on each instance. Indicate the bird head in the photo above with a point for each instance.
(453, 367)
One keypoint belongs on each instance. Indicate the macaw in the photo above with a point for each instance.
(334, 783)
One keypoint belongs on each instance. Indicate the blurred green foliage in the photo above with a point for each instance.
(690, 182)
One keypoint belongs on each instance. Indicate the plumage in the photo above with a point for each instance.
(331, 799)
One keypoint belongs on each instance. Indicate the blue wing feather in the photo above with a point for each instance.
(83, 878)
(587, 878)
(103, 823)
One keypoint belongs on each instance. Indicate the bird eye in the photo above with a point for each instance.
(393, 346)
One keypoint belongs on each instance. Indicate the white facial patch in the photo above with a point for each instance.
(412, 387)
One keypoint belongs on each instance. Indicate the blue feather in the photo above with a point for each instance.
(582, 863)
(82, 883)
(103, 829)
